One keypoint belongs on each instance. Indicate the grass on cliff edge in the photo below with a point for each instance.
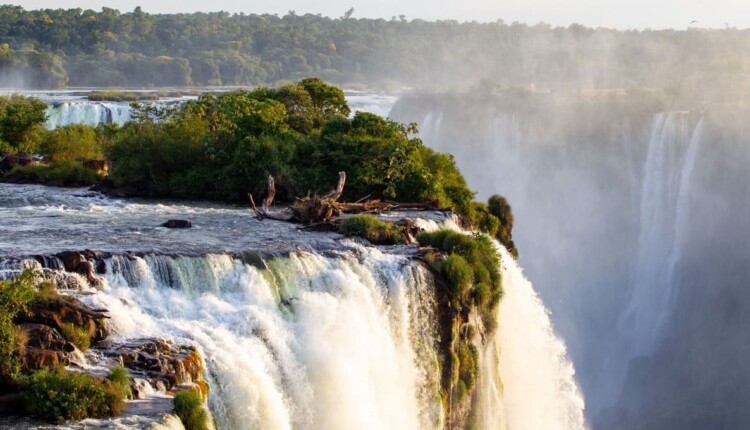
(371, 228)
(189, 407)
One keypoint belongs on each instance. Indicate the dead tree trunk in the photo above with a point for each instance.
(322, 210)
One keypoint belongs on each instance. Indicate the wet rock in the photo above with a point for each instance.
(177, 223)
(45, 347)
(159, 362)
(67, 310)
(84, 263)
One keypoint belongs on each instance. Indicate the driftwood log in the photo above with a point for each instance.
(324, 209)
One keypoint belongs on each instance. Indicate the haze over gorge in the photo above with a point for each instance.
(533, 228)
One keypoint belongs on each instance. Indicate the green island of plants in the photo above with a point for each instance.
(371, 228)
(468, 282)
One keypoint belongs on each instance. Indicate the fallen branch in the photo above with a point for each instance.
(319, 210)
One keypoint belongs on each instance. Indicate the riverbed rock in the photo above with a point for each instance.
(177, 223)
(86, 263)
(45, 347)
(159, 362)
(62, 310)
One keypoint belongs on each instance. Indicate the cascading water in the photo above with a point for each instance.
(308, 342)
(669, 163)
(529, 381)
(87, 113)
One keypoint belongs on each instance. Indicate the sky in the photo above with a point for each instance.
(621, 14)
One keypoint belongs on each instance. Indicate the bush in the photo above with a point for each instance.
(189, 407)
(77, 336)
(66, 173)
(75, 142)
(120, 379)
(56, 395)
(371, 228)
(472, 261)
(15, 295)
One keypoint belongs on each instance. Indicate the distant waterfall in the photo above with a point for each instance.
(672, 150)
(87, 113)
(528, 380)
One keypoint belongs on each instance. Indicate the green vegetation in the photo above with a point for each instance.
(68, 174)
(221, 147)
(469, 280)
(77, 336)
(189, 407)
(74, 142)
(106, 48)
(120, 379)
(470, 270)
(122, 96)
(57, 395)
(371, 228)
(21, 123)
(15, 296)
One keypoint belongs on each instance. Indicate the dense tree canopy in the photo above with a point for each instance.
(109, 47)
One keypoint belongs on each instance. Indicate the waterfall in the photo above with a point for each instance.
(672, 150)
(308, 341)
(529, 381)
(87, 113)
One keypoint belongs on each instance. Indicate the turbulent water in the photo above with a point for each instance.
(298, 330)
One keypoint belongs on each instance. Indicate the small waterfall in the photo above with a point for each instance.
(307, 342)
(87, 113)
(529, 381)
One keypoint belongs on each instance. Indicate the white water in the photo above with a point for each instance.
(529, 381)
(338, 342)
(347, 349)
(671, 156)
(87, 113)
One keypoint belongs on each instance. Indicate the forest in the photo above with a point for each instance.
(57, 48)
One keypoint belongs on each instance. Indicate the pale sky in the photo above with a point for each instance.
(622, 14)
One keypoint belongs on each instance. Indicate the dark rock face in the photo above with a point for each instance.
(86, 263)
(45, 347)
(67, 310)
(177, 223)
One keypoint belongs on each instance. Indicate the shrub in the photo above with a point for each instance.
(371, 228)
(77, 336)
(74, 142)
(189, 407)
(120, 379)
(56, 395)
(472, 261)
(15, 295)
(66, 173)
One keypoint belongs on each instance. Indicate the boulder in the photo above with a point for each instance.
(67, 310)
(44, 347)
(177, 223)
(84, 263)
(159, 362)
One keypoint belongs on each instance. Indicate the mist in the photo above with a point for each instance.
(632, 222)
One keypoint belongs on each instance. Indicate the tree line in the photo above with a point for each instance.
(109, 48)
